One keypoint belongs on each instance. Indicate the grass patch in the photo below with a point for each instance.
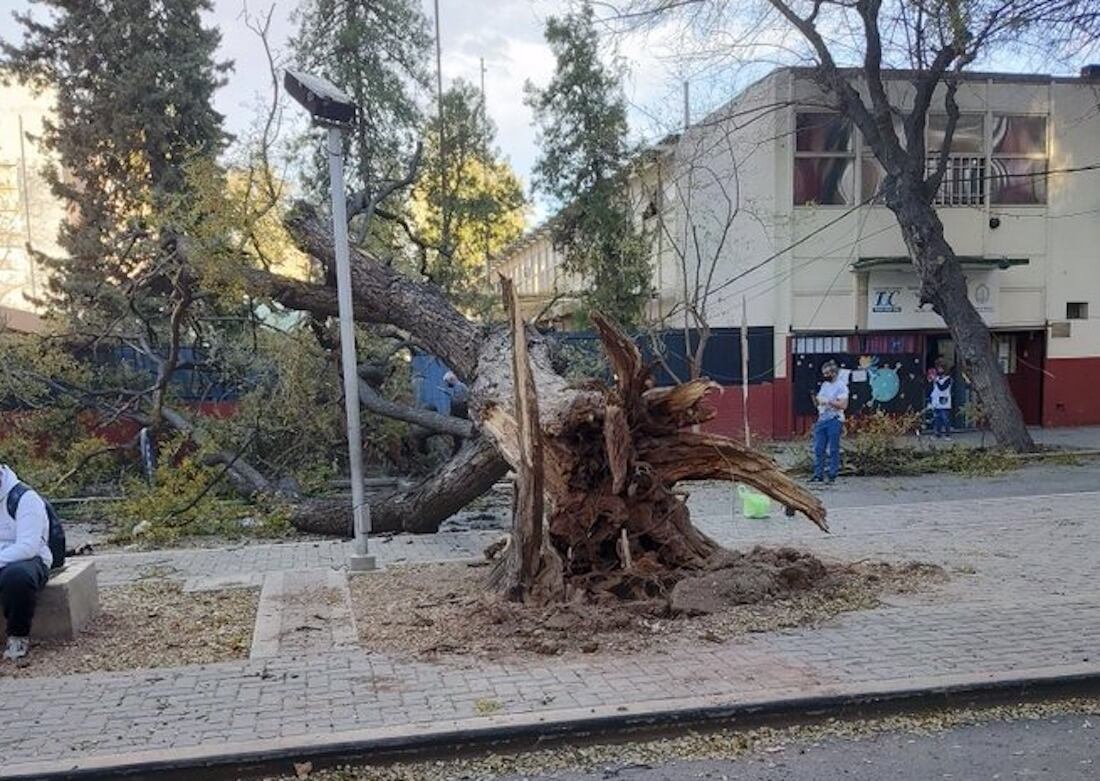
(873, 446)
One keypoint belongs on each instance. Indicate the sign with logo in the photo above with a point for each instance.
(893, 299)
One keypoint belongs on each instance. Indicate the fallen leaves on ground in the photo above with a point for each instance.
(150, 624)
(444, 610)
(725, 744)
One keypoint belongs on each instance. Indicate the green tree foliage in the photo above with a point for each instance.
(375, 50)
(581, 117)
(482, 208)
(134, 81)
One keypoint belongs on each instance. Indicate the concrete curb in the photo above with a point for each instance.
(275, 756)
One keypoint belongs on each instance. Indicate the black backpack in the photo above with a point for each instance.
(56, 534)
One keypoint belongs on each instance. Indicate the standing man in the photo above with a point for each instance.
(25, 561)
(940, 399)
(831, 401)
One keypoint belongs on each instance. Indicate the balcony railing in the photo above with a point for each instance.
(964, 180)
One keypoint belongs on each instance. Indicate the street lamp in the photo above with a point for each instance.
(333, 109)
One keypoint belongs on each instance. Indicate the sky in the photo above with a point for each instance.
(506, 33)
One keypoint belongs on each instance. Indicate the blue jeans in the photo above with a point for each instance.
(827, 436)
(941, 422)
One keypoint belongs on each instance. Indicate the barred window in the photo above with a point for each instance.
(964, 176)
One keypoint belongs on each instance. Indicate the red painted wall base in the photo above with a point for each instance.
(730, 408)
(1071, 392)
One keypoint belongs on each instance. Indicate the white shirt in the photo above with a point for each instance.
(941, 392)
(27, 534)
(834, 390)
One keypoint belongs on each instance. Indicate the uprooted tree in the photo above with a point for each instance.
(606, 457)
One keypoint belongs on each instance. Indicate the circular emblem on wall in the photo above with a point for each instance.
(885, 385)
(981, 294)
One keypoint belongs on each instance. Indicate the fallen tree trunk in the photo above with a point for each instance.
(611, 455)
(419, 509)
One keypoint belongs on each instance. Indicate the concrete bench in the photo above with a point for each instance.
(69, 601)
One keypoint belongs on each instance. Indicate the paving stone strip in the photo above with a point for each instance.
(1021, 597)
(304, 613)
(346, 690)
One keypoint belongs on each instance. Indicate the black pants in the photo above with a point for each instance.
(20, 583)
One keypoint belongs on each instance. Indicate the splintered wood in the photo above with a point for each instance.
(611, 456)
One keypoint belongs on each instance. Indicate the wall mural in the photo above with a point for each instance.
(883, 381)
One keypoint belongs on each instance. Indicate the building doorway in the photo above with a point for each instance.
(943, 346)
(1021, 355)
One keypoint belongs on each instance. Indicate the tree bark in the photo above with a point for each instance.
(385, 295)
(529, 569)
(419, 509)
(943, 284)
(616, 527)
(371, 400)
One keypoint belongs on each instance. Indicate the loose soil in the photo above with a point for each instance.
(150, 625)
(443, 609)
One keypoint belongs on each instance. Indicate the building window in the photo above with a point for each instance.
(1077, 310)
(964, 175)
(824, 160)
(1005, 345)
(1019, 160)
(820, 345)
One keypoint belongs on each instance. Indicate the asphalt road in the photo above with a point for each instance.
(1062, 748)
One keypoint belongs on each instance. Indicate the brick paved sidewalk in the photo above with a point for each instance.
(186, 564)
(1030, 606)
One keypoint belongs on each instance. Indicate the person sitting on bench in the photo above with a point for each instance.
(25, 561)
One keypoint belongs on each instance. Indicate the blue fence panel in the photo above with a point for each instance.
(428, 387)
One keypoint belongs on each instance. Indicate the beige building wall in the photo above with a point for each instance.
(29, 213)
(813, 286)
(746, 150)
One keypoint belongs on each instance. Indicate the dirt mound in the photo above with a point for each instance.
(747, 579)
(444, 609)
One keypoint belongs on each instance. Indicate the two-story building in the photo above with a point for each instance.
(30, 215)
(768, 205)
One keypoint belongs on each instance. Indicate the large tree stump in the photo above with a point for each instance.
(612, 454)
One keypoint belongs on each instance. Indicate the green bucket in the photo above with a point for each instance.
(753, 504)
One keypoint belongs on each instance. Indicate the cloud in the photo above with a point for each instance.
(508, 34)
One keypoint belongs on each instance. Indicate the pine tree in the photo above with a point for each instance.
(582, 123)
(134, 81)
(376, 51)
(482, 208)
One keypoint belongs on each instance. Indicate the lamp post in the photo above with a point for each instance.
(333, 109)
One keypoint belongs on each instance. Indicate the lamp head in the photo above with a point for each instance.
(326, 103)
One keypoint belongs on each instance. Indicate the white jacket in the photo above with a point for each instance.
(26, 535)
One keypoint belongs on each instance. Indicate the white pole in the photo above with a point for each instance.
(745, 370)
(687, 106)
(27, 210)
(360, 559)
